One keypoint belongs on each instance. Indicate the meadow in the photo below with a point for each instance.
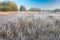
(29, 26)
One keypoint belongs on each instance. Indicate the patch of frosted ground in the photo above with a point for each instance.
(30, 27)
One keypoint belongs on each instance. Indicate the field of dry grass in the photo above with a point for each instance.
(29, 26)
(23, 13)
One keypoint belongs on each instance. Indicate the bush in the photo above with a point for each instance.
(22, 8)
(35, 9)
(56, 10)
(8, 6)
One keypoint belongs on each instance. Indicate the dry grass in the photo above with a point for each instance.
(29, 26)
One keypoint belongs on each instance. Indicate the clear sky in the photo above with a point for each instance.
(43, 4)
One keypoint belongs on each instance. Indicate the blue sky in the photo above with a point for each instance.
(43, 4)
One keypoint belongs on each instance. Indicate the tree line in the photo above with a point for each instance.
(12, 6)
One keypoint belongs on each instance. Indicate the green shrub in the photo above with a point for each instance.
(35, 9)
(8, 6)
(22, 8)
